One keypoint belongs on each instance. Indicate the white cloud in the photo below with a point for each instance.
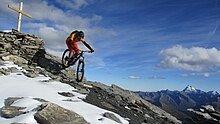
(133, 77)
(56, 37)
(196, 74)
(73, 4)
(55, 15)
(4, 6)
(55, 53)
(156, 77)
(95, 62)
(194, 59)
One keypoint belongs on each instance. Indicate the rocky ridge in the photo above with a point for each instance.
(205, 115)
(27, 51)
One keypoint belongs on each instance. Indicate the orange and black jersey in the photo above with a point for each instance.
(74, 38)
(71, 42)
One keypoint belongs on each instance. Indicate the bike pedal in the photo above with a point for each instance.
(66, 58)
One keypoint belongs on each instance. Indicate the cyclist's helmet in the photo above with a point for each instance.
(80, 34)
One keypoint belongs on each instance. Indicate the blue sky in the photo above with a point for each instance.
(139, 44)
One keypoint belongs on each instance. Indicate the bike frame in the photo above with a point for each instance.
(80, 56)
(81, 64)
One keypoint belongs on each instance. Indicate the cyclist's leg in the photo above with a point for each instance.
(71, 51)
(76, 48)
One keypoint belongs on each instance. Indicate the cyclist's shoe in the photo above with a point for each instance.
(71, 61)
(75, 55)
(66, 58)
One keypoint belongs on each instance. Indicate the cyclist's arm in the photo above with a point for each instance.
(88, 46)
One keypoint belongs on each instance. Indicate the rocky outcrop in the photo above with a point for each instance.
(205, 115)
(27, 51)
(16, 43)
(53, 114)
(128, 105)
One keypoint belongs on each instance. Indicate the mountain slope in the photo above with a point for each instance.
(26, 51)
(28, 89)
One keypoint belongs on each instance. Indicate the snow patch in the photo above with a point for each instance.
(15, 85)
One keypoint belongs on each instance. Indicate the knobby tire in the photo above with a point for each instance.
(65, 62)
(80, 71)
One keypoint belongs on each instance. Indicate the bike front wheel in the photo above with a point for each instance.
(80, 71)
(65, 58)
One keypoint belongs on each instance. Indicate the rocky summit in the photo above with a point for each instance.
(27, 51)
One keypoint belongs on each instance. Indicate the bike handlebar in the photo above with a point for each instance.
(82, 51)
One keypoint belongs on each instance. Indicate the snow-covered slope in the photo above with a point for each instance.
(18, 85)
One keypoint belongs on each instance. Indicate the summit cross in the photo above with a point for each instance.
(20, 13)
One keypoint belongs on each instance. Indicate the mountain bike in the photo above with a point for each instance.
(81, 63)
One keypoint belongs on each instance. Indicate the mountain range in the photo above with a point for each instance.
(177, 102)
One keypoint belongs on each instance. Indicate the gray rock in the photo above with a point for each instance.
(14, 52)
(30, 74)
(11, 111)
(215, 115)
(16, 59)
(10, 38)
(82, 91)
(107, 105)
(13, 70)
(147, 116)
(54, 114)
(112, 117)
(118, 97)
(17, 42)
(4, 54)
(1, 34)
(5, 45)
(67, 94)
(11, 100)
(208, 108)
(40, 100)
(4, 71)
(136, 109)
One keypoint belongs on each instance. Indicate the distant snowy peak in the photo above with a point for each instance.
(190, 89)
(213, 92)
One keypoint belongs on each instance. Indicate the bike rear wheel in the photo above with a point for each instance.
(80, 71)
(65, 58)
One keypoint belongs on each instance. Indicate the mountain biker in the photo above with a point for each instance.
(71, 41)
